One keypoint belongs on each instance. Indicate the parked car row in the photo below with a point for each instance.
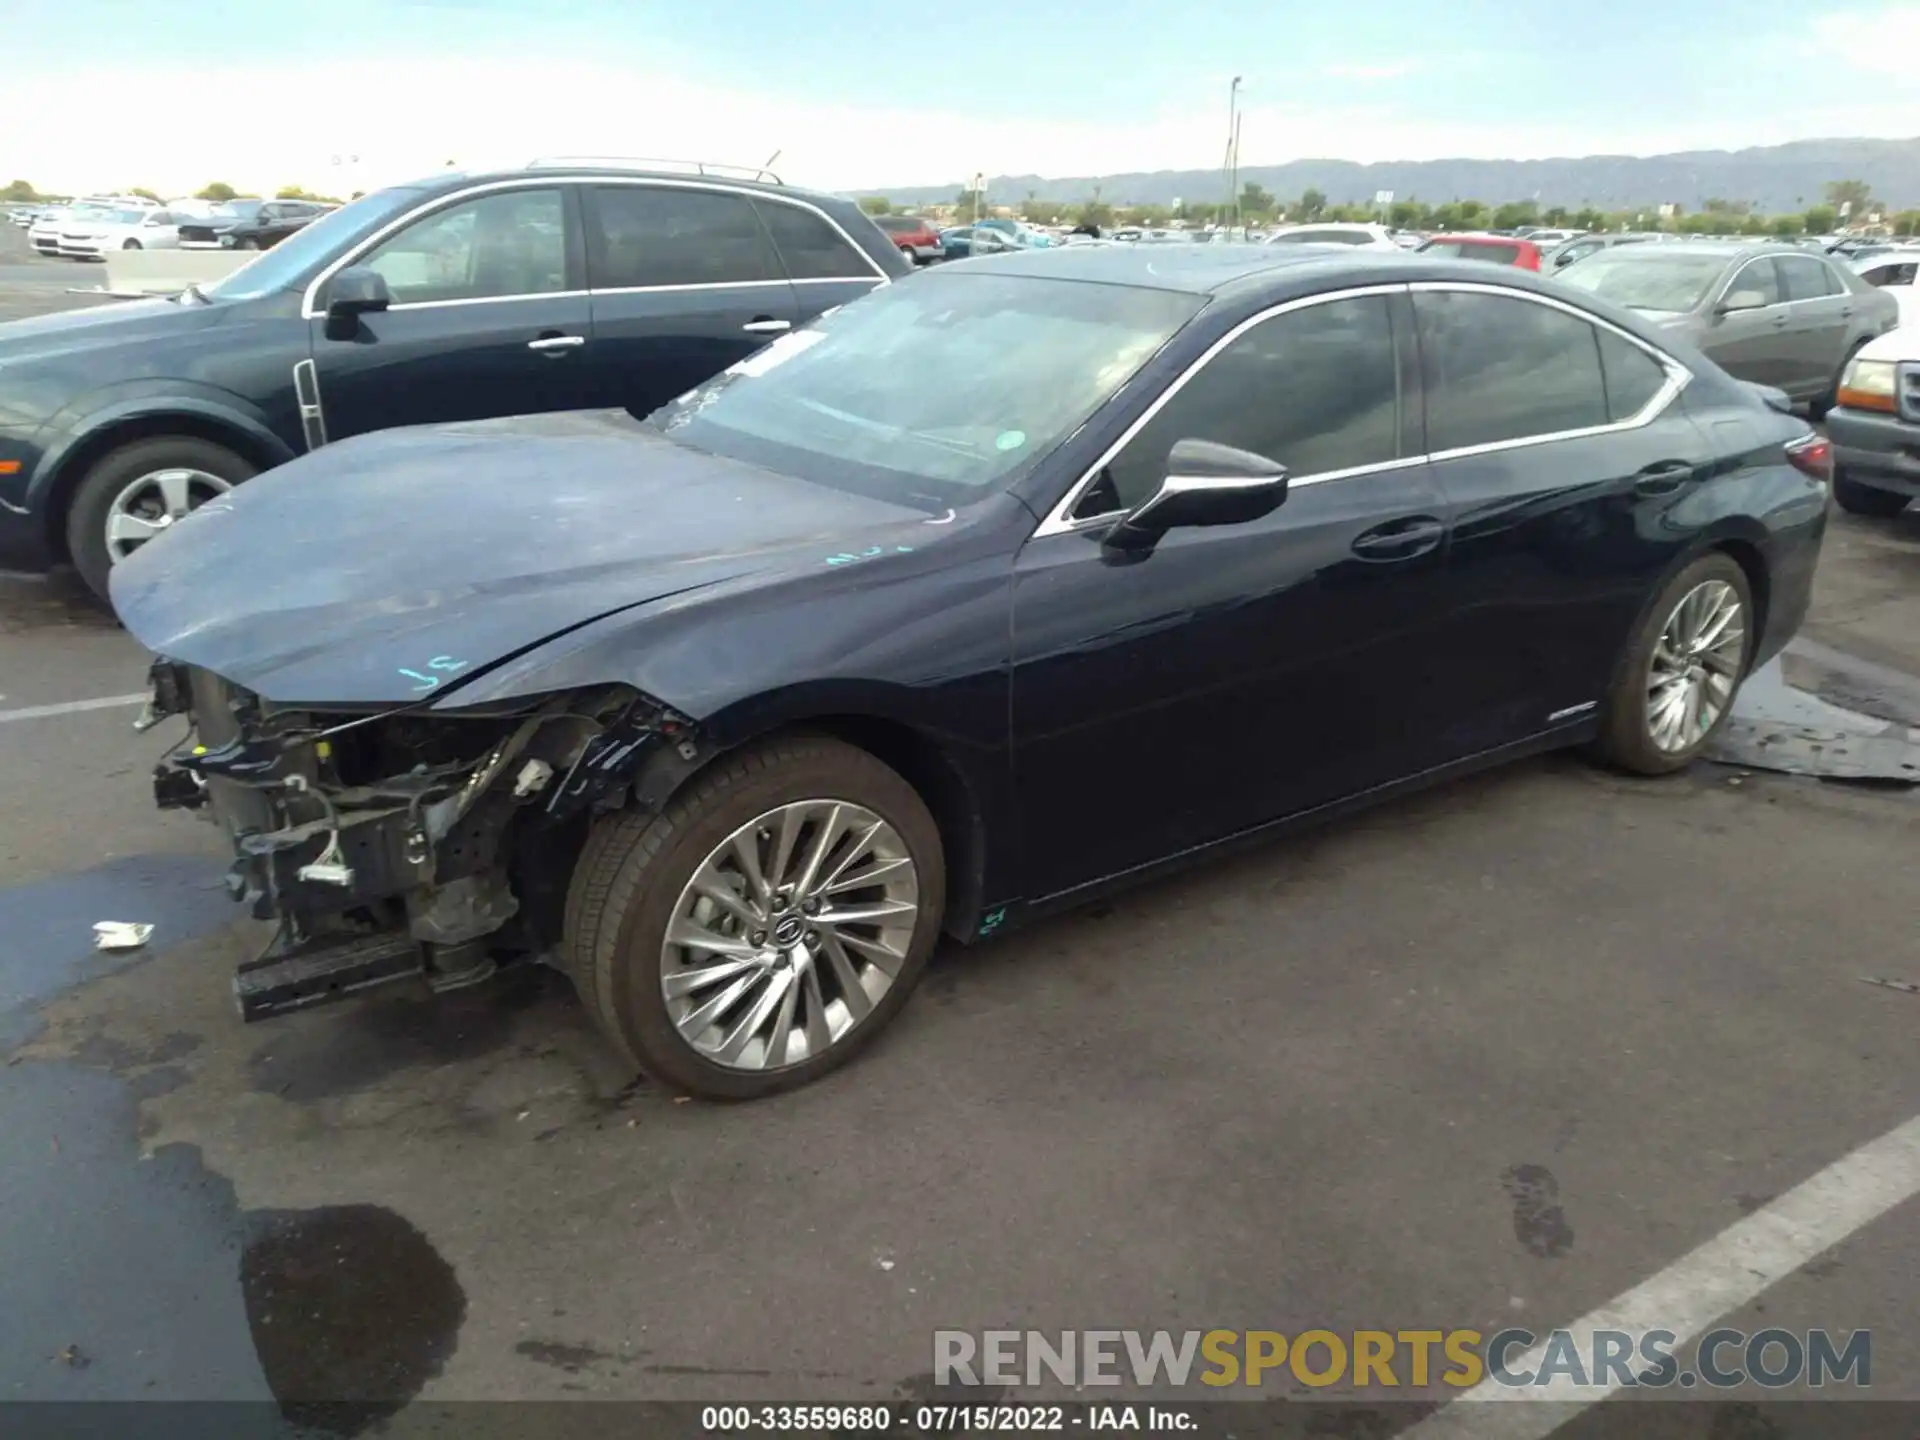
(90, 229)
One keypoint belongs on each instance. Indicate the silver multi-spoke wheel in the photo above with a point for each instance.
(149, 505)
(789, 934)
(1696, 665)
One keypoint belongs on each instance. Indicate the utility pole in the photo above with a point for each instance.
(1231, 208)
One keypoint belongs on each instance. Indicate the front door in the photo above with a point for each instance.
(1754, 343)
(1238, 674)
(488, 319)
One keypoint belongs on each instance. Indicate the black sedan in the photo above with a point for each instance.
(249, 224)
(732, 713)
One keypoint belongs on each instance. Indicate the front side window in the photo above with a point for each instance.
(1806, 278)
(811, 248)
(1759, 279)
(1316, 389)
(1499, 368)
(934, 393)
(509, 243)
(655, 235)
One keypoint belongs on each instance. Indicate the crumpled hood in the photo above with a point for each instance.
(389, 566)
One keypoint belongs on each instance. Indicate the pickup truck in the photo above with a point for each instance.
(1875, 426)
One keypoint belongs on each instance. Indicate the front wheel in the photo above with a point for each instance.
(1858, 499)
(131, 245)
(247, 242)
(763, 928)
(1676, 683)
(135, 493)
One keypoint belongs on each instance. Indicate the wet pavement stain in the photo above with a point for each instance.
(562, 1356)
(311, 1058)
(351, 1310)
(1538, 1221)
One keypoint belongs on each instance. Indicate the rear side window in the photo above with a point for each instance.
(1633, 377)
(1807, 278)
(811, 248)
(641, 236)
(1316, 389)
(1758, 278)
(1499, 368)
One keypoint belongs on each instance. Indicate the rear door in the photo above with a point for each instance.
(1821, 307)
(489, 317)
(1754, 344)
(827, 268)
(685, 281)
(1558, 448)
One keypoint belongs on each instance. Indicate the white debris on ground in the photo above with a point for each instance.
(120, 935)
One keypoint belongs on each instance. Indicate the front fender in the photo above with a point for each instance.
(72, 430)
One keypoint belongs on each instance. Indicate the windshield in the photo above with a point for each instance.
(1644, 280)
(311, 245)
(128, 217)
(934, 392)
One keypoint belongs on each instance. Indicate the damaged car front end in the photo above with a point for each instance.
(403, 843)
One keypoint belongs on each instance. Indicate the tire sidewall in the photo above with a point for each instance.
(1625, 737)
(87, 513)
(836, 772)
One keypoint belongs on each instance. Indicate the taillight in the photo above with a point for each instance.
(1812, 456)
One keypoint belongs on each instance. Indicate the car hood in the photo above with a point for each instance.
(1902, 344)
(127, 320)
(398, 564)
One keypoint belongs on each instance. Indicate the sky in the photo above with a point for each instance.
(862, 94)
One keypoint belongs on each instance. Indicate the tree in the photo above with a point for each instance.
(1094, 212)
(1473, 215)
(969, 200)
(1588, 219)
(1856, 193)
(1255, 201)
(1405, 214)
(1312, 202)
(1037, 211)
(218, 190)
(1907, 222)
(1820, 219)
(1514, 214)
(144, 193)
(876, 205)
(19, 190)
(1784, 225)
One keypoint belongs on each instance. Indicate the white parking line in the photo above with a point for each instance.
(70, 707)
(1689, 1295)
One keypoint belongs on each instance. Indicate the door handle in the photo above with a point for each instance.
(1662, 478)
(1400, 539)
(766, 325)
(557, 344)
(1779, 322)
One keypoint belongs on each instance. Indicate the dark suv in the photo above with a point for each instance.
(556, 287)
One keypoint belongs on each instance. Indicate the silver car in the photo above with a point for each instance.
(1772, 314)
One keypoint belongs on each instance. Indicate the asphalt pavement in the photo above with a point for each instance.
(1500, 1054)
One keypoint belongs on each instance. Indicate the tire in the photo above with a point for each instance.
(247, 242)
(131, 245)
(1858, 499)
(1626, 740)
(108, 478)
(633, 878)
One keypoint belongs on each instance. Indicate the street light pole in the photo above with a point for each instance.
(1233, 135)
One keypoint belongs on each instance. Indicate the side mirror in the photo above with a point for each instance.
(357, 290)
(1741, 300)
(1207, 484)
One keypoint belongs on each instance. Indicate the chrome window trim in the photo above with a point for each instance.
(1059, 520)
(480, 300)
(547, 180)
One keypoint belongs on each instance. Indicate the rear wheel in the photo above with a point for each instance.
(763, 928)
(247, 242)
(1858, 499)
(135, 493)
(1676, 683)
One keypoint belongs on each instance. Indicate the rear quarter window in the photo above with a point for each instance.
(811, 247)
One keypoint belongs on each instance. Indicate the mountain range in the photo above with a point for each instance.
(1773, 178)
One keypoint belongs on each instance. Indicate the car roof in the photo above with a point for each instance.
(461, 180)
(1722, 249)
(1482, 235)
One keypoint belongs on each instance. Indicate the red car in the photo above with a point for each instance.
(917, 238)
(1495, 249)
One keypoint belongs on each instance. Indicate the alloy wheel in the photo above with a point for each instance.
(789, 934)
(1696, 665)
(150, 505)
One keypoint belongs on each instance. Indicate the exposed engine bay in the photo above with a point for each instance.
(405, 843)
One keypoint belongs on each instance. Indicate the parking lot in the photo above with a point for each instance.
(1500, 1054)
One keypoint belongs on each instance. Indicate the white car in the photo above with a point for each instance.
(1898, 273)
(95, 234)
(44, 233)
(1354, 236)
